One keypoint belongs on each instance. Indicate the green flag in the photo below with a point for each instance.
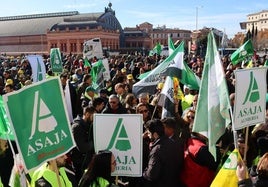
(156, 50)
(178, 68)
(143, 75)
(246, 50)
(266, 63)
(55, 60)
(212, 112)
(5, 131)
(86, 62)
(40, 122)
(148, 83)
(171, 46)
(96, 73)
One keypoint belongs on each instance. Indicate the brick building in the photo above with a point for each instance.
(65, 30)
(39, 33)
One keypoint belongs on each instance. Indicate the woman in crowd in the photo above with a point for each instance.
(99, 171)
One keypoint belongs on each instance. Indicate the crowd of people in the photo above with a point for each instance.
(173, 155)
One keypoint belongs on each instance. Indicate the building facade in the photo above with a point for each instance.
(65, 30)
(258, 21)
(144, 37)
(38, 33)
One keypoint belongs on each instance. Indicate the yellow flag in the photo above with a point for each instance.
(177, 89)
(250, 64)
(227, 174)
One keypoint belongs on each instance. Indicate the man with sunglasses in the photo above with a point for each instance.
(114, 106)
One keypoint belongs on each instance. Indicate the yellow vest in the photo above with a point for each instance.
(102, 183)
(51, 177)
(1, 184)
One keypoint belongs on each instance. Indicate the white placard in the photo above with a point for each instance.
(121, 134)
(250, 97)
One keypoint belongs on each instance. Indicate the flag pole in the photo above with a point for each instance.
(56, 170)
(234, 131)
(156, 104)
(246, 145)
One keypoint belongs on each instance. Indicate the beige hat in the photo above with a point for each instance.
(9, 82)
(129, 76)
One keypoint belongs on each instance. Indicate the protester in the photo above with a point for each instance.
(164, 165)
(98, 104)
(98, 173)
(114, 106)
(82, 131)
(131, 103)
(145, 98)
(121, 92)
(173, 132)
(261, 180)
(86, 81)
(189, 118)
(88, 96)
(51, 174)
(199, 167)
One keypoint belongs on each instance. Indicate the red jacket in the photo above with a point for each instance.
(194, 174)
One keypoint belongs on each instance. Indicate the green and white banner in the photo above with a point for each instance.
(250, 97)
(121, 134)
(38, 67)
(55, 60)
(39, 119)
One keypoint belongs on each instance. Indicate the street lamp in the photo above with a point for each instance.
(196, 17)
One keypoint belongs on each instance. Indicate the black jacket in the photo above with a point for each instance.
(119, 110)
(164, 164)
(82, 154)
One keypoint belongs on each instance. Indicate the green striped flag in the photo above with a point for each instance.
(178, 68)
(166, 99)
(171, 46)
(156, 50)
(246, 50)
(212, 112)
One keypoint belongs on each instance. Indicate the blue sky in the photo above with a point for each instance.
(223, 15)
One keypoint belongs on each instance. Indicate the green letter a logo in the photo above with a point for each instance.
(119, 138)
(253, 94)
(39, 71)
(42, 118)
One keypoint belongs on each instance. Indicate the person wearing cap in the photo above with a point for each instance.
(7, 76)
(130, 82)
(9, 86)
(163, 167)
(89, 96)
